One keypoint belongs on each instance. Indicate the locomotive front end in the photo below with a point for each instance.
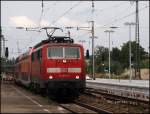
(65, 69)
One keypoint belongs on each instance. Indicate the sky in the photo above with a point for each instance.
(72, 14)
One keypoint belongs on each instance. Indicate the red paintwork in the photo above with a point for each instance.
(23, 66)
(39, 68)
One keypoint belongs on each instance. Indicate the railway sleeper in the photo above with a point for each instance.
(96, 109)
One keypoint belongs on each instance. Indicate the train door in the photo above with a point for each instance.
(36, 65)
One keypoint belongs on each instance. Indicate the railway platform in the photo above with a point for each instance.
(137, 89)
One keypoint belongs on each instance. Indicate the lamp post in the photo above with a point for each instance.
(130, 62)
(109, 32)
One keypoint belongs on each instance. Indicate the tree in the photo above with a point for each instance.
(116, 67)
(7, 65)
(124, 55)
(101, 55)
(115, 54)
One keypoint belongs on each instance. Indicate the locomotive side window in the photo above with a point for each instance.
(32, 56)
(55, 52)
(71, 52)
(39, 54)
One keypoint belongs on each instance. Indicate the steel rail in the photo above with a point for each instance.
(113, 96)
(68, 109)
(96, 109)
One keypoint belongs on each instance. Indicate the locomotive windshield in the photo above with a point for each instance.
(63, 52)
(71, 52)
(56, 52)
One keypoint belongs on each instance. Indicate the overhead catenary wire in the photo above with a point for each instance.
(122, 18)
(104, 9)
(75, 5)
(109, 8)
(46, 10)
(117, 20)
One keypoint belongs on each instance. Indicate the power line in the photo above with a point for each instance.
(50, 7)
(114, 6)
(108, 8)
(46, 10)
(121, 18)
(116, 20)
(66, 12)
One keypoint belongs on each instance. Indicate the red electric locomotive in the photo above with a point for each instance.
(55, 66)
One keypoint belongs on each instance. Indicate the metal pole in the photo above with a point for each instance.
(4, 46)
(138, 34)
(18, 48)
(130, 51)
(3, 38)
(130, 24)
(109, 55)
(93, 64)
(109, 31)
(1, 42)
(137, 61)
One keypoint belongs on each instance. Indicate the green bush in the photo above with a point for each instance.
(144, 63)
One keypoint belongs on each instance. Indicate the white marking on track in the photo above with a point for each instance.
(60, 108)
(46, 110)
(35, 102)
(40, 105)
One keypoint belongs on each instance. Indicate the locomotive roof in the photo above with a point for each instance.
(24, 55)
(55, 40)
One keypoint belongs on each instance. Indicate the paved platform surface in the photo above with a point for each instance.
(16, 100)
(137, 83)
(136, 89)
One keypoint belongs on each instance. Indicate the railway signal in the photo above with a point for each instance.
(87, 54)
(6, 52)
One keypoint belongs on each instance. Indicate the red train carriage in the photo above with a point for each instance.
(55, 66)
(23, 69)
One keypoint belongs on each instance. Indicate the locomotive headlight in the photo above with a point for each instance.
(77, 77)
(50, 77)
(64, 61)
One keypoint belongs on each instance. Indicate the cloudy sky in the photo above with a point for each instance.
(72, 13)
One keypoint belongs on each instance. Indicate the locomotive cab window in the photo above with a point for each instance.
(63, 52)
(55, 52)
(39, 54)
(71, 52)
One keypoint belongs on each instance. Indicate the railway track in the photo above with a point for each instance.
(78, 107)
(113, 103)
(113, 97)
(96, 109)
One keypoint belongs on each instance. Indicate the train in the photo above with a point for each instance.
(54, 66)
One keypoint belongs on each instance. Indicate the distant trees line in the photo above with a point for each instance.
(7, 65)
(119, 58)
